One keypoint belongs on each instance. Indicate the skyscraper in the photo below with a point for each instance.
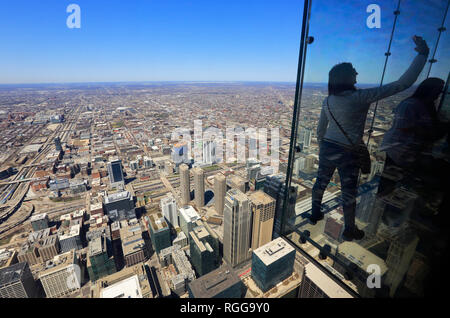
(399, 257)
(199, 186)
(62, 276)
(209, 152)
(204, 249)
(116, 173)
(16, 281)
(169, 210)
(100, 261)
(58, 146)
(317, 284)
(236, 227)
(220, 188)
(272, 263)
(120, 206)
(185, 184)
(275, 187)
(180, 153)
(263, 213)
(350, 254)
(304, 137)
(188, 217)
(159, 232)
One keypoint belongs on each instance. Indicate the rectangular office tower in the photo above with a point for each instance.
(275, 186)
(272, 263)
(16, 281)
(39, 221)
(204, 248)
(199, 187)
(115, 173)
(100, 261)
(220, 189)
(169, 210)
(58, 146)
(120, 206)
(263, 213)
(185, 184)
(317, 284)
(220, 283)
(188, 219)
(236, 227)
(159, 232)
(62, 276)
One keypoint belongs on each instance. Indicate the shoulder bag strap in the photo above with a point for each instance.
(340, 127)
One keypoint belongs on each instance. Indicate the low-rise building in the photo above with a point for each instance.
(39, 221)
(220, 283)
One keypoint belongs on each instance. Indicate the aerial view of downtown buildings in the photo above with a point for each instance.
(112, 184)
(99, 200)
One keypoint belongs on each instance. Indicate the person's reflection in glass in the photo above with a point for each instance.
(409, 142)
(349, 107)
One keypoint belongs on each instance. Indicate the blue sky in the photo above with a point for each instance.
(220, 40)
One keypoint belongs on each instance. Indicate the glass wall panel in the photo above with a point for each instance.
(382, 223)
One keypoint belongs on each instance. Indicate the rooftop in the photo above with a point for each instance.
(38, 217)
(127, 288)
(236, 194)
(189, 213)
(157, 222)
(132, 243)
(12, 273)
(260, 197)
(273, 251)
(74, 231)
(114, 281)
(59, 262)
(325, 283)
(361, 256)
(214, 282)
(95, 246)
(123, 195)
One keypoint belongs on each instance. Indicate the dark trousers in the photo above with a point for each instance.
(332, 156)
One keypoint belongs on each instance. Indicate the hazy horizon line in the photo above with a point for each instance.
(167, 81)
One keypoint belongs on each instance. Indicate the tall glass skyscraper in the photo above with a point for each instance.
(116, 173)
(236, 228)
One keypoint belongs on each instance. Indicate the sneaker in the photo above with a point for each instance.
(350, 235)
(313, 218)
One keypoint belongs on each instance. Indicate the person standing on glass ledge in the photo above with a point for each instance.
(409, 143)
(341, 127)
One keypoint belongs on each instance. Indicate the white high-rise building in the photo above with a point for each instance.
(236, 228)
(209, 152)
(148, 162)
(169, 210)
(304, 137)
(188, 217)
(62, 275)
